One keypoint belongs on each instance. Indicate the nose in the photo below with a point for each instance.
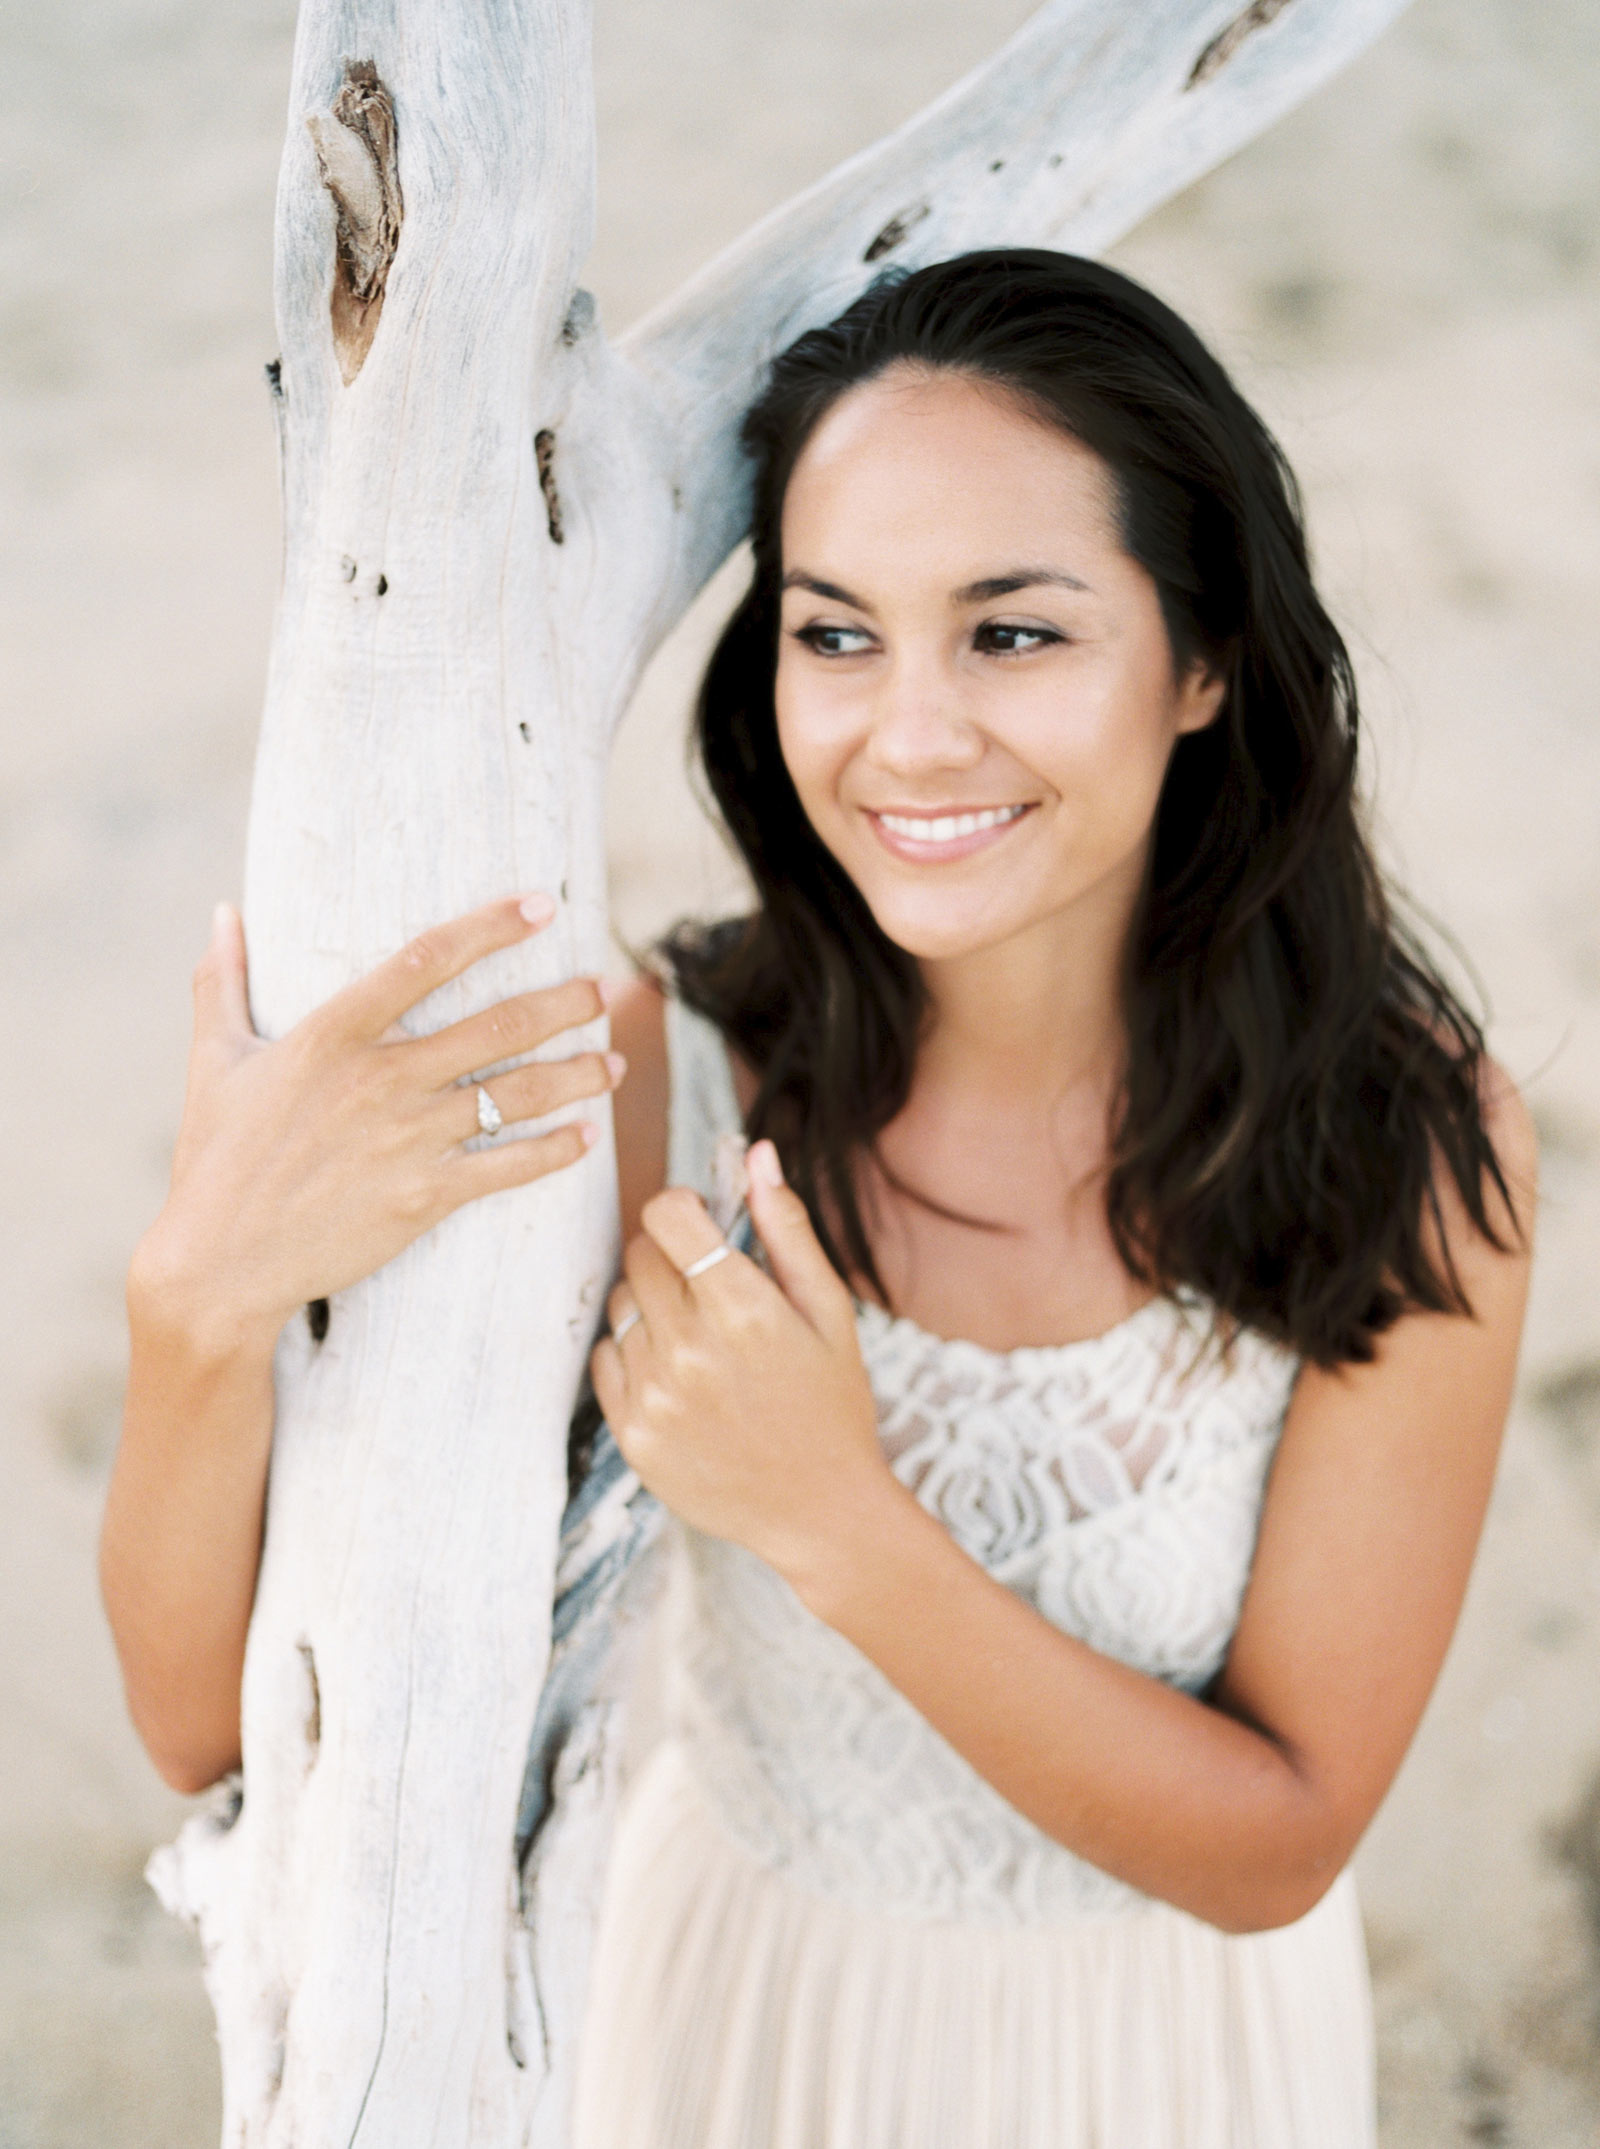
(921, 726)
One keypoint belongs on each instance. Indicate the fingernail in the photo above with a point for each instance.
(589, 1131)
(537, 908)
(763, 1165)
(616, 1067)
(219, 920)
(608, 989)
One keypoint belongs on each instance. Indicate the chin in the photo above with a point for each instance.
(942, 933)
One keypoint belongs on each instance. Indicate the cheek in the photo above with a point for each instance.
(1102, 753)
(816, 739)
(1109, 738)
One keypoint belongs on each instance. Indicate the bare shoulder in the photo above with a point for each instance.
(1509, 1125)
(1472, 1356)
(1492, 1271)
(639, 1107)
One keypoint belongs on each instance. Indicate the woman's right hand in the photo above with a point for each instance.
(306, 1163)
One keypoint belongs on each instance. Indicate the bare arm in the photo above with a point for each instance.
(182, 1535)
(1241, 1808)
(300, 1167)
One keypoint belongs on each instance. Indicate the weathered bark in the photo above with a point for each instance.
(491, 518)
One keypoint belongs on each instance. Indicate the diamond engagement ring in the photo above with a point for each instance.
(708, 1261)
(489, 1119)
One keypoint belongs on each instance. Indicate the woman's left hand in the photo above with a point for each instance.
(741, 1399)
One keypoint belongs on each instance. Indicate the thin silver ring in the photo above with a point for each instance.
(630, 1320)
(708, 1261)
(489, 1119)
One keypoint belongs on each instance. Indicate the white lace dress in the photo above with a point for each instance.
(824, 1930)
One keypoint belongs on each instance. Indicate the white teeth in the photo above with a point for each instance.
(948, 826)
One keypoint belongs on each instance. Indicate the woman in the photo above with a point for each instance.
(1078, 1492)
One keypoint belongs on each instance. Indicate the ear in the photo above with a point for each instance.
(1201, 692)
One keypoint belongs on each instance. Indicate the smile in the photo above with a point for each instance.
(944, 835)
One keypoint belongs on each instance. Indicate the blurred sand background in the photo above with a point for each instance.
(1406, 275)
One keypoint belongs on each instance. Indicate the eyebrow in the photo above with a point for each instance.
(797, 578)
(983, 592)
(1019, 578)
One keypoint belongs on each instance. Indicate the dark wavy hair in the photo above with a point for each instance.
(1299, 1073)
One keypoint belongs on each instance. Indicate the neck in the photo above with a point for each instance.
(1036, 1016)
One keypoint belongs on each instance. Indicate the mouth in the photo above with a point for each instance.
(937, 838)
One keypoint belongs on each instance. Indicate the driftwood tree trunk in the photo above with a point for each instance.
(492, 517)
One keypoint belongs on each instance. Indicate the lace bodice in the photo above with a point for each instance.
(1116, 1484)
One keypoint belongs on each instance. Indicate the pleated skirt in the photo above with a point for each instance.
(730, 2009)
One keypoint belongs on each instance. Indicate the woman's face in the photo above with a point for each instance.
(975, 689)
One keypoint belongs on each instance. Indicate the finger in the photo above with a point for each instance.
(800, 1268)
(477, 1172)
(625, 1318)
(531, 1092)
(610, 1381)
(679, 1222)
(371, 1004)
(221, 987)
(505, 1031)
(619, 1305)
(662, 1294)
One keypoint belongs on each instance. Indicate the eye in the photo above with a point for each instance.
(833, 641)
(1009, 638)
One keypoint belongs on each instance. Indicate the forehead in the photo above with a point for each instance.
(940, 471)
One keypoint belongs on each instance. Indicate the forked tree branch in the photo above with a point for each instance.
(1094, 113)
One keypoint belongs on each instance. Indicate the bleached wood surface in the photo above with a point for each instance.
(491, 518)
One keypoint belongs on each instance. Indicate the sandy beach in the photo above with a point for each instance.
(1406, 277)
